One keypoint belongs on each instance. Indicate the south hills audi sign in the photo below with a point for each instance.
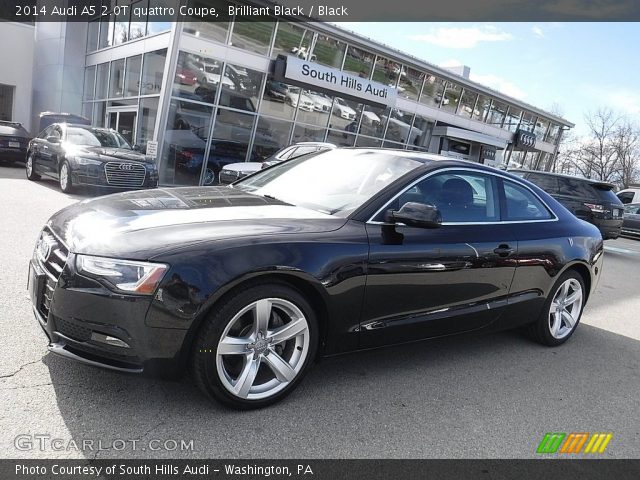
(295, 70)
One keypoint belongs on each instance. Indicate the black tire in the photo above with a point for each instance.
(204, 367)
(541, 330)
(30, 168)
(66, 187)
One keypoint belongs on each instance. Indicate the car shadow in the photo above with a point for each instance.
(466, 396)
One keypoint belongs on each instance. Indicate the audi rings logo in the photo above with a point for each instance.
(44, 247)
(126, 166)
(526, 139)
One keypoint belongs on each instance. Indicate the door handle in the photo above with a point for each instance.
(503, 250)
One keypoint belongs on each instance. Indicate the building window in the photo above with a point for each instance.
(89, 82)
(152, 72)
(451, 97)
(432, 91)
(106, 31)
(422, 129)
(541, 128)
(341, 138)
(328, 51)
(482, 108)
(216, 31)
(358, 62)
(251, 35)
(497, 113)
(132, 76)
(308, 133)
(386, 71)
(102, 80)
(512, 119)
(159, 26)
(552, 133)
(467, 103)
(315, 108)
(292, 39)
(271, 136)
(116, 79)
(93, 30)
(527, 122)
(231, 136)
(410, 83)
(399, 128)
(147, 113)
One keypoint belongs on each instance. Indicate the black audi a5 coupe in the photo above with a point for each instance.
(81, 155)
(248, 284)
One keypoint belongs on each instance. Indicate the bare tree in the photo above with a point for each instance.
(626, 142)
(597, 157)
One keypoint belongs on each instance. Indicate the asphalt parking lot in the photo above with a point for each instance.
(491, 396)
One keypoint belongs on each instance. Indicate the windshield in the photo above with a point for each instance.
(336, 182)
(94, 137)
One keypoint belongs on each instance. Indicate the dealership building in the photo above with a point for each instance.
(240, 90)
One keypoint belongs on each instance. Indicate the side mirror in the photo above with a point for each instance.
(53, 139)
(416, 214)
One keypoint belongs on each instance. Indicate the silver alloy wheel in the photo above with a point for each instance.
(64, 176)
(565, 308)
(29, 165)
(209, 176)
(263, 348)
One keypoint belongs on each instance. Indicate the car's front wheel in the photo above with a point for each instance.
(31, 168)
(66, 184)
(209, 176)
(256, 346)
(562, 311)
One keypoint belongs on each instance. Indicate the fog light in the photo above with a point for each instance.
(109, 340)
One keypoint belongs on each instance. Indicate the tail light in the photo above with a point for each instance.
(595, 208)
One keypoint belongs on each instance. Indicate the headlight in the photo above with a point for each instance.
(87, 161)
(141, 278)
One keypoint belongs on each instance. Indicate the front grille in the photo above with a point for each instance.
(122, 174)
(52, 257)
(72, 329)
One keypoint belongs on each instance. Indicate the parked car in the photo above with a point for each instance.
(277, 90)
(342, 110)
(629, 195)
(210, 75)
(186, 76)
(590, 200)
(47, 118)
(296, 97)
(249, 285)
(14, 140)
(631, 219)
(321, 103)
(81, 155)
(234, 171)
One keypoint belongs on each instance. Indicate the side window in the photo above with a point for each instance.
(56, 132)
(626, 197)
(548, 183)
(522, 204)
(575, 188)
(303, 151)
(461, 197)
(46, 132)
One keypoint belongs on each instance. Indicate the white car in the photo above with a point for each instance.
(342, 110)
(405, 131)
(295, 97)
(320, 102)
(370, 118)
(210, 74)
(629, 195)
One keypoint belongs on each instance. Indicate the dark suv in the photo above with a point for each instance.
(590, 200)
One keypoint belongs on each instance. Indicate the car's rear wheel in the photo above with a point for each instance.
(562, 311)
(31, 168)
(66, 184)
(256, 346)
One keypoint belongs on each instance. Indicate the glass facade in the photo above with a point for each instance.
(218, 111)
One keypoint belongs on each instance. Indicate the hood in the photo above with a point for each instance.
(347, 109)
(108, 153)
(244, 166)
(143, 224)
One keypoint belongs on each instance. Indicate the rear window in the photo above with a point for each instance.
(605, 194)
(548, 183)
(17, 130)
(576, 188)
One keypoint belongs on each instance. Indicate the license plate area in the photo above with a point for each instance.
(36, 285)
(617, 213)
(14, 144)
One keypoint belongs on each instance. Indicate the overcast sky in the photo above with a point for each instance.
(578, 66)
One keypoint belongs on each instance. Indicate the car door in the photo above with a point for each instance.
(425, 283)
(632, 218)
(50, 150)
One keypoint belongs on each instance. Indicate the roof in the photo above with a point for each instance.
(563, 175)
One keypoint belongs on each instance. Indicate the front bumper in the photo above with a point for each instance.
(78, 316)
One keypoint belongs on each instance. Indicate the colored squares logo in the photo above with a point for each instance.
(574, 443)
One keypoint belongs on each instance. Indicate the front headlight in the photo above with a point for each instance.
(140, 278)
(87, 161)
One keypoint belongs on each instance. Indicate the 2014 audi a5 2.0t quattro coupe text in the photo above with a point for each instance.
(248, 284)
